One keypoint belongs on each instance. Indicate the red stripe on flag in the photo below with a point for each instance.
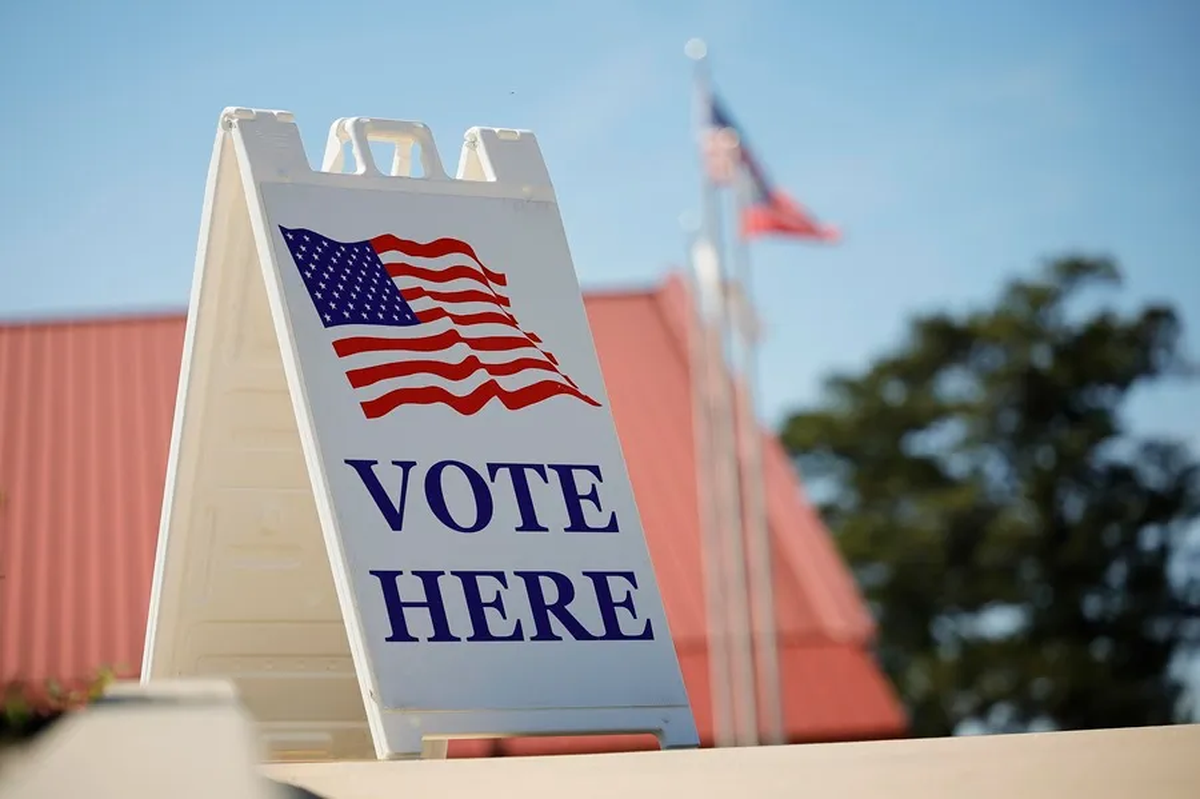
(369, 375)
(479, 318)
(356, 345)
(438, 248)
(464, 295)
(442, 274)
(783, 216)
(472, 402)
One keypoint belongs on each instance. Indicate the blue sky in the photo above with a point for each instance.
(954, 142)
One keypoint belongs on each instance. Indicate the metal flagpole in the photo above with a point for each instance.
(700, 257)
(758, 531)
(724, 459)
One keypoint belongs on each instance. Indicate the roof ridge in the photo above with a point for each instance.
(617, 292)
(95, 316)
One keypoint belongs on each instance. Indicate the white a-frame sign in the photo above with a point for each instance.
(396, 509)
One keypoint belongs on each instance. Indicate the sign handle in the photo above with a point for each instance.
(361, 131)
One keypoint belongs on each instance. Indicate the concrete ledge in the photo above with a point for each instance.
(183, 740)
(1151, 762)
(195, 740)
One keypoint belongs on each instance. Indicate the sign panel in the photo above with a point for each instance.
(461, 465)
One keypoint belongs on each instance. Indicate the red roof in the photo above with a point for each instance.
(85, 422)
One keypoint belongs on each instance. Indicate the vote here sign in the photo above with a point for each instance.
(396, 509)
(474, 481)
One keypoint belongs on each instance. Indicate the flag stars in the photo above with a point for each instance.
(347, 283)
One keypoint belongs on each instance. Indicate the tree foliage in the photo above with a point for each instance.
(1015, 542)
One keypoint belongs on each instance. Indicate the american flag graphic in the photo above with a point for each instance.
(424, 323)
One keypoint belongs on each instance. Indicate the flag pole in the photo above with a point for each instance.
(726, 487)
(719, 681)
(702, 256)
(758, 532)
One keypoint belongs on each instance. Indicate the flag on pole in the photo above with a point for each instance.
(767, 210)
(721, 146)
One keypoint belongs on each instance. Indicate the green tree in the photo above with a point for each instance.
(1019, 548)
